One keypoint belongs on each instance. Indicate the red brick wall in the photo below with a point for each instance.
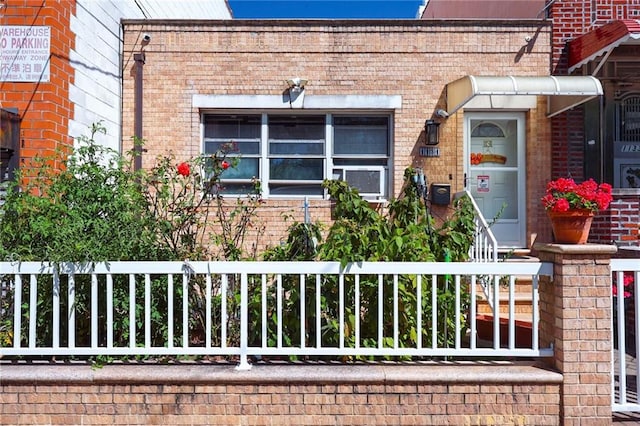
(622, 222)
(44, 107)
(572, 18)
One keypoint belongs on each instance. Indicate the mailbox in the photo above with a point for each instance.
(441, 194)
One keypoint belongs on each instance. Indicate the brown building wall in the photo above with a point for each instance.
(44, 107)
(412, 59)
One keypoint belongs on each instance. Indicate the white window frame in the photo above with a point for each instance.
(329, 166)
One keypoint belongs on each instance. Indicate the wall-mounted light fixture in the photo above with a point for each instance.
(296, 84)
(431, 132)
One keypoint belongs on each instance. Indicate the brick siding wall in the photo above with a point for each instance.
(415, 60)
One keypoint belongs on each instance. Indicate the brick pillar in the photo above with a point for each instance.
(576, 318)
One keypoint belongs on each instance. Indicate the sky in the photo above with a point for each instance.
(325, 9)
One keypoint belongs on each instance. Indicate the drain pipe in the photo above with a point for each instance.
(137, 120)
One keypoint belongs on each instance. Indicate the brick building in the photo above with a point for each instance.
(368, 89)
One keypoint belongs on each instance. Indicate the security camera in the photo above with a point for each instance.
(442, 113)
(146, 38)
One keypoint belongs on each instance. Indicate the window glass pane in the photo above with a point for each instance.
(247, 168)
(292, 189)
(296, 168)
(487, 130)
(235, 188)
(232, 126)
(285, 127)
(239, 147)
(361, 135)
(296, 148)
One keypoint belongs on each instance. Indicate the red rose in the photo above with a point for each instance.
(184, 169)
(225, 165)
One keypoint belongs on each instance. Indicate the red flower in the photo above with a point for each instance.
(564, 194)
(184, 169)
(225, 165)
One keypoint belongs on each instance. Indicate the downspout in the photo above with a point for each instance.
(137, 118)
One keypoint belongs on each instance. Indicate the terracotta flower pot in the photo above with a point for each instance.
(571, 227)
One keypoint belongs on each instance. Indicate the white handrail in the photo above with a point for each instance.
(483, 249)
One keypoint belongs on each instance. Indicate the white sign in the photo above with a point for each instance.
(24, 53)
(483, 183)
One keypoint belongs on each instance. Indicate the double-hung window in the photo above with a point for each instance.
(291, 154)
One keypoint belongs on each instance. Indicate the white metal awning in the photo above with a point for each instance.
(510, 92)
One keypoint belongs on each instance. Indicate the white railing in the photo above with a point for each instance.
(484, 247)
(626, 335)
(262, 309)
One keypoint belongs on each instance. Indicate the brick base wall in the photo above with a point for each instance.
(432, 394)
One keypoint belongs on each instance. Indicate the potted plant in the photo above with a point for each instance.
(571, 207)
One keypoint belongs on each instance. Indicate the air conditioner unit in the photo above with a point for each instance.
(368, 180)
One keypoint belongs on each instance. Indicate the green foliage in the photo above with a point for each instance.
(360, 233)
(93, 210)
(97, 208)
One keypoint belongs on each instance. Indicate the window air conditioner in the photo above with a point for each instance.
(368, 180)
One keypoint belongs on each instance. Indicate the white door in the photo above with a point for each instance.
(495, 161)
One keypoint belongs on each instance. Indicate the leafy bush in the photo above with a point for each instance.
(97, 208)
(360, 233)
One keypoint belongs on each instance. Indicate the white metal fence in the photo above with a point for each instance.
(267, 309)
(626, 335)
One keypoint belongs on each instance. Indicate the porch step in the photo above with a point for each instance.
(522, 303)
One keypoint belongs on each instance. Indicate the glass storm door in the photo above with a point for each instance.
(495, 173)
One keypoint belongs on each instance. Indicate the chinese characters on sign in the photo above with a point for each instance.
(24, 53)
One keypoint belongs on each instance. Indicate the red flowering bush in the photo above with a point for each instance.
(565, 194)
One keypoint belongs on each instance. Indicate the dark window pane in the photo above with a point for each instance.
(283, 127)
(296, 148)
(296, 168)
(360, 162)
(361, 135)
(232, 126)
